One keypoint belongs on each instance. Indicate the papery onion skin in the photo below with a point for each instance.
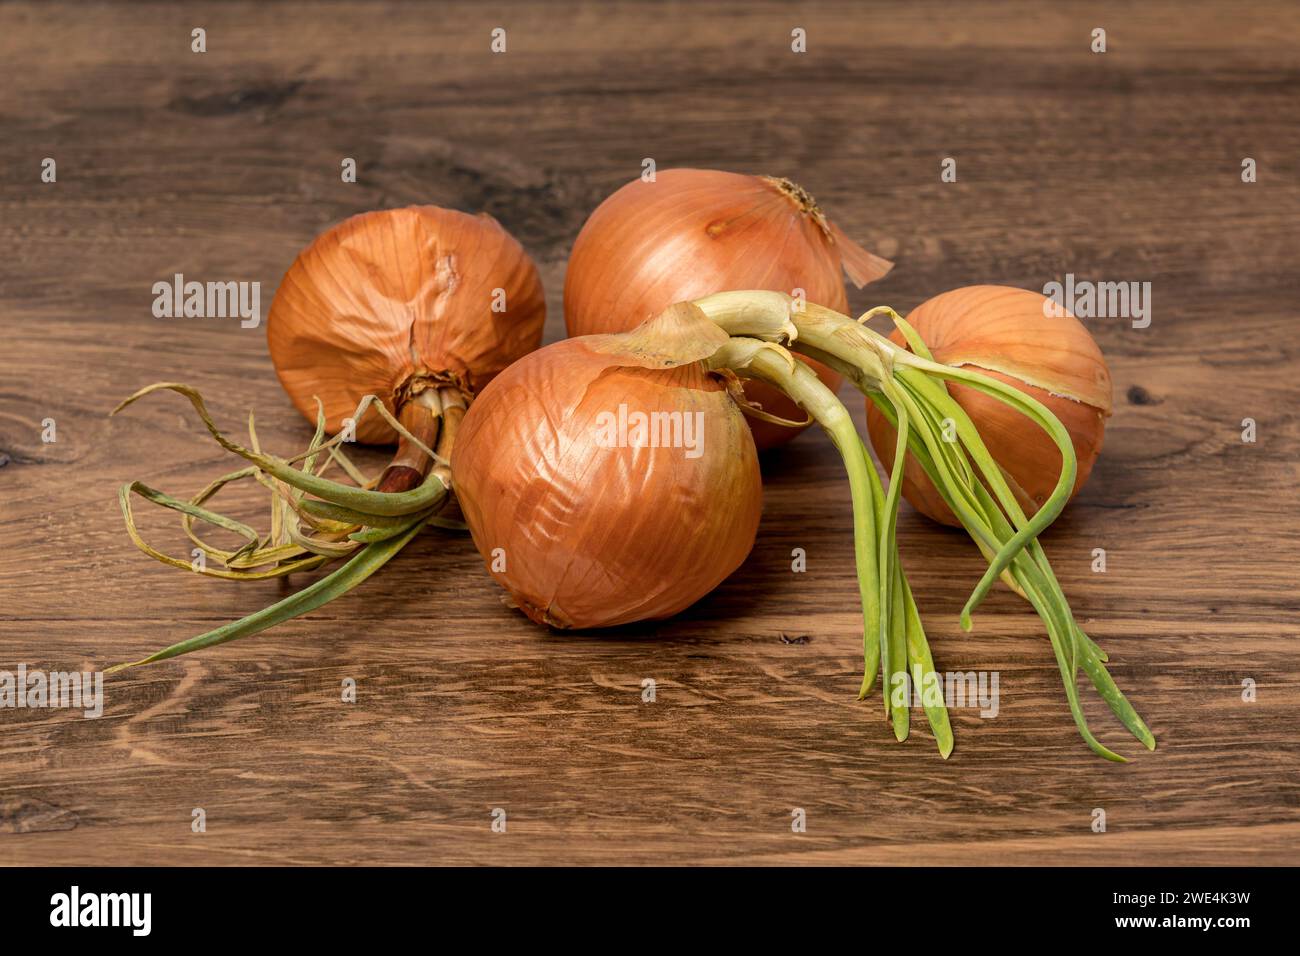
(1003, 333)
(693, 232)
(389, 302)
(596, 536)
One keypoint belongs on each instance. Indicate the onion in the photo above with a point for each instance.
(406, 312)
(396, 303)
(912, 389)
(1004, 334)
(576, 512)
(694, 232)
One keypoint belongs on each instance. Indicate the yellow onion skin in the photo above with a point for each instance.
(592, 535)
(388, 303)
(693, 232)
(1003, 333)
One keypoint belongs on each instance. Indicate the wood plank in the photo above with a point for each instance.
(1118, 166)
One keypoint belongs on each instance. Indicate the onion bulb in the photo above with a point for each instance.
(405, 312)
(1004, 334)
(398, 303)
(694, 232)
(611, 478)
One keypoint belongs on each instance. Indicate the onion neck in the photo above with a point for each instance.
(454, 404)
(801, 199)
(422, 416)
(868, 356)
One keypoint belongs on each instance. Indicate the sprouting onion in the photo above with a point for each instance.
(910, 389)
(412, 310)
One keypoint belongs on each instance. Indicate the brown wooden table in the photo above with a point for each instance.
(1123, 166)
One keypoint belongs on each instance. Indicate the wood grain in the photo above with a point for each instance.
(1121, 166)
